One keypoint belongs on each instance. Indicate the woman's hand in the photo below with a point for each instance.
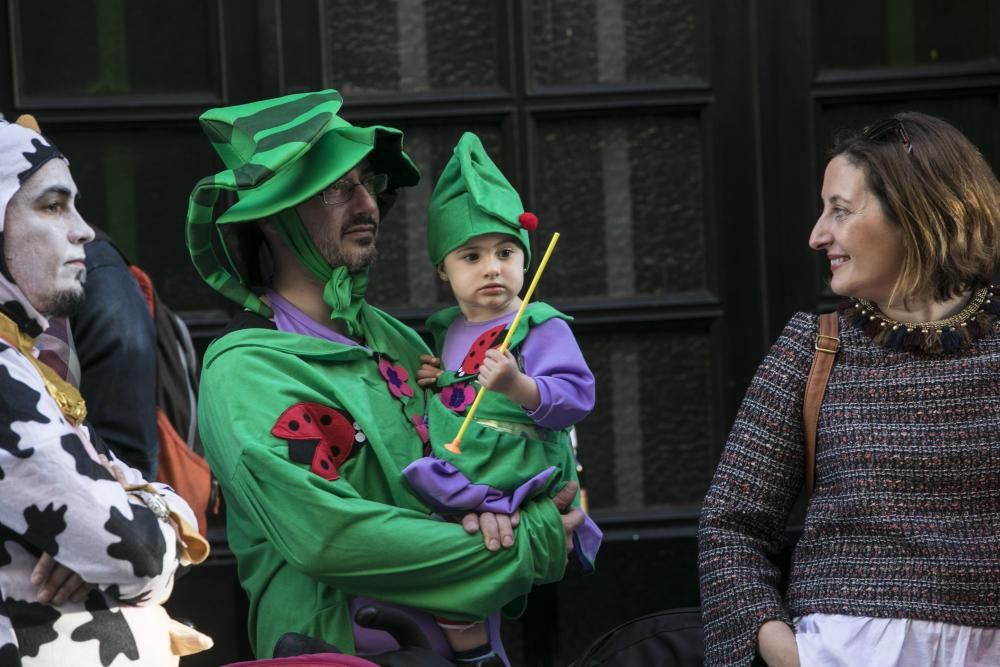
(430, 370)
(776, 644)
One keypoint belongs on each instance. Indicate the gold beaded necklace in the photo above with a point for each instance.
(979, 298)
(947, 336)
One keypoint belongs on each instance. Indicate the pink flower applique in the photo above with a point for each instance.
(420, 424)
(396, 377)
(457, 397)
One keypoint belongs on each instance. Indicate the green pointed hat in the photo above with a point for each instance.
(277, 154)
(471, 198)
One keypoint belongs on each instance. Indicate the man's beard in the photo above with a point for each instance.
(356, 261)
(66, 303)
(361, 260)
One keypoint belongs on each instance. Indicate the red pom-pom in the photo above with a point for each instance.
(528, 220)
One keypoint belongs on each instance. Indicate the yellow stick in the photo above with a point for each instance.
(453, 445)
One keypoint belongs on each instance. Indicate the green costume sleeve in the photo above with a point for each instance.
(397, 555)
(305, 543)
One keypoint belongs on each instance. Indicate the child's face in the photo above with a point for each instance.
(486, 274)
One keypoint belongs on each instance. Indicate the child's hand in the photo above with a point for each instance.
(499, 373)
(430, 370)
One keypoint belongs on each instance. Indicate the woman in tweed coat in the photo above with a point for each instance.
(899, 560)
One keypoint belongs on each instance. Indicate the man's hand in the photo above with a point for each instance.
(572, 517)
(430, 370)
(497, 529)
(776, 644)
(57, 584)
(115, 471)
(499, 373)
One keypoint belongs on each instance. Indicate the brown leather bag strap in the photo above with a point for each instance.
(826, 344)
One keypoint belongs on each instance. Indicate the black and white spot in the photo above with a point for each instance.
(109, 628)
(142, 543)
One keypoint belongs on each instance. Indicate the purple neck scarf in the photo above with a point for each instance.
(288, 318)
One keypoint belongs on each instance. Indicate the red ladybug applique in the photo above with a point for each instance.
(318, 435)
(477, 351)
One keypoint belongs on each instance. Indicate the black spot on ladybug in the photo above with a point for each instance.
(306, 418)
(325, 420)
(294, 425)
(335, 450)
(476, 367)
(325, 465)
(481, 343)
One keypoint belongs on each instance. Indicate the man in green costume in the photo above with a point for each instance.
(307, 409)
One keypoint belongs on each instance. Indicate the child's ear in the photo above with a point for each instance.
(442, 274)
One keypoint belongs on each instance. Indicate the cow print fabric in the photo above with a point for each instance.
(56, 498)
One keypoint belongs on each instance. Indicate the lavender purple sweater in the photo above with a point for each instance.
(550, 355)
(905, 518)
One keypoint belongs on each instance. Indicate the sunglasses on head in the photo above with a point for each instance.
(891, 128)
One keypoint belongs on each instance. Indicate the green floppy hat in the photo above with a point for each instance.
(277, 154)
(472, 198)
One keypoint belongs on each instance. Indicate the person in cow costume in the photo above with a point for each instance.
(309, 407)
(88, 549)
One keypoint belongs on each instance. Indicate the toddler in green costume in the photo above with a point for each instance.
(517, 446)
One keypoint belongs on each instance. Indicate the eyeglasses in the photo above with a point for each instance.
(341, 192)
(886, 127)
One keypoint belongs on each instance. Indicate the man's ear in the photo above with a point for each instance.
(442, 274)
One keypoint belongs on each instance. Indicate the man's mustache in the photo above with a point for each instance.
(360, 220)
